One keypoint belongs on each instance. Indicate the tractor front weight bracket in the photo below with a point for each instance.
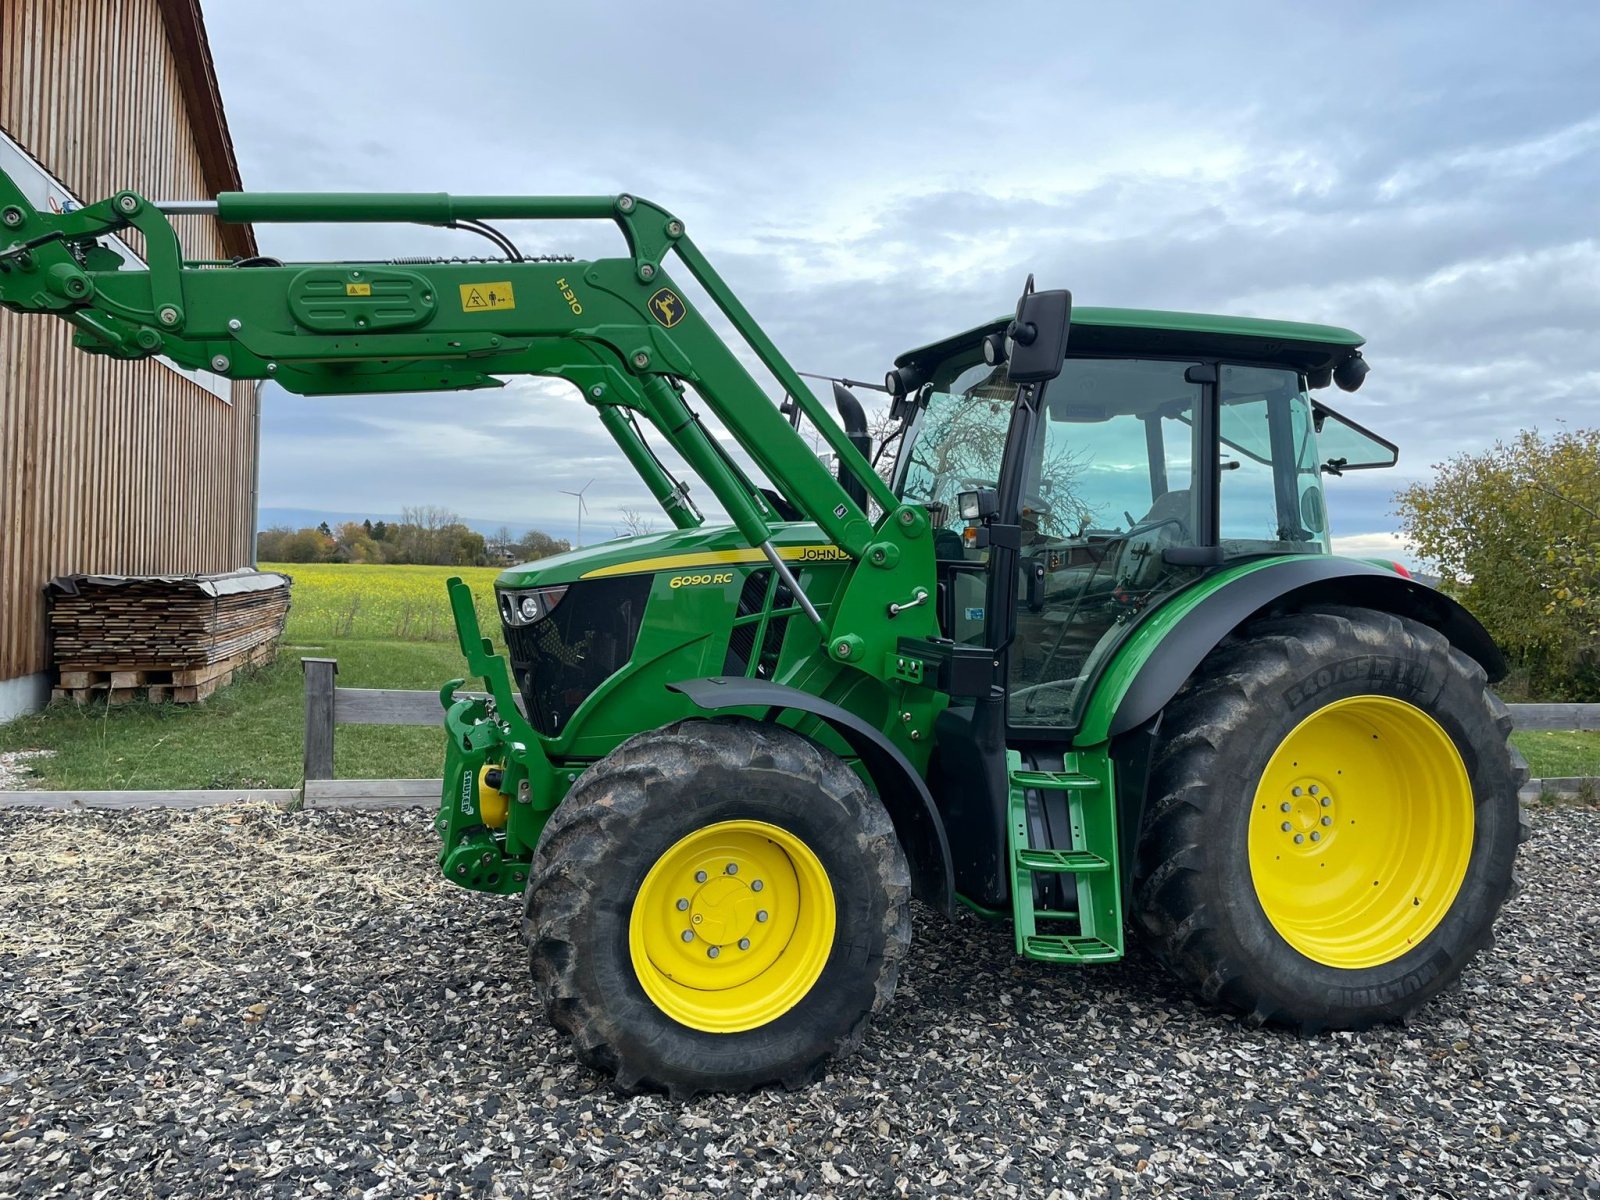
(499, 785)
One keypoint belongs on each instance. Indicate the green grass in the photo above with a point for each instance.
(1560, 755)
(246, 735)
(388, 626)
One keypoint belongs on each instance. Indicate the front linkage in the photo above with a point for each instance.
(499, 785)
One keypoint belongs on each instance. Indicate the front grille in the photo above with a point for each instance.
(559, 661)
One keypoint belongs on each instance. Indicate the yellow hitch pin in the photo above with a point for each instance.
(492, 804)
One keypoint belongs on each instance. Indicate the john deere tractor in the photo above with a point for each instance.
(1082, 660)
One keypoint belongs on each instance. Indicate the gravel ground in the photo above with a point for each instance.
(16, 770)
(247, 1003)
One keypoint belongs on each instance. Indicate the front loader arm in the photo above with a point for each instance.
(617, 328)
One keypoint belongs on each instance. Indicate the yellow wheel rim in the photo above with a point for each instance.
(1360, 831)
(732, 926)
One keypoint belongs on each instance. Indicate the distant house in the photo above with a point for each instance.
(105, 466)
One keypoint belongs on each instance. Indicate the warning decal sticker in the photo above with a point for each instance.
(487, 297)
(358, 289)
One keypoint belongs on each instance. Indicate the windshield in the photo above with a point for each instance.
(1117, 441)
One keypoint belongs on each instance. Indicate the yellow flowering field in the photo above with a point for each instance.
(360, 600)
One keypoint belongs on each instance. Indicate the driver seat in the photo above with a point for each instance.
(1168, 519)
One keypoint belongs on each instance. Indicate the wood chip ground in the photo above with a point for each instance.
(251, 1003)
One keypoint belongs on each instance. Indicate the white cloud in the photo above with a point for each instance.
(870, 177)
(1376, 545)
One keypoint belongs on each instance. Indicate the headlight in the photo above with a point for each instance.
(535, 604)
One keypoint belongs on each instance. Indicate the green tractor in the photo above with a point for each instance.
(1082, 659)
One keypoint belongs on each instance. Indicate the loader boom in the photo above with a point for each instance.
(619, 329)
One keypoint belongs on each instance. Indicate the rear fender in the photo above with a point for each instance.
(1286, 584)
(903, 791)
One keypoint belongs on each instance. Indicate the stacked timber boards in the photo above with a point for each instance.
(172, 637)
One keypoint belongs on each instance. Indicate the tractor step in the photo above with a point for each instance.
(1047, 948)
(1058, 861)
(1094, 893)
(1054, 781)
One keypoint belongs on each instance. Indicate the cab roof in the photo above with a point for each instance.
(1178, 334)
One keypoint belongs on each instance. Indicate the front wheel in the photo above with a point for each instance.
(715, 906)
(1334, 820)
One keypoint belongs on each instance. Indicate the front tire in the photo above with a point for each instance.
(1334, 820)
(715, 906)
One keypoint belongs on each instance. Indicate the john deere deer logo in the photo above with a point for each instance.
(666, 307)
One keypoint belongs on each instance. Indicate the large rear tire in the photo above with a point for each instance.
(715, 906)
(1333, 823)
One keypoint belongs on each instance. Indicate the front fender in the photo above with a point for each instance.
(903, 791)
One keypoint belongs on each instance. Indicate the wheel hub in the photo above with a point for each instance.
(722, 912)
(1309, 818)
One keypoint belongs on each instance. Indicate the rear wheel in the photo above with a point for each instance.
(1334, 820)
(715, 906)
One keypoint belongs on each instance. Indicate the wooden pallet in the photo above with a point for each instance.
(183, 685)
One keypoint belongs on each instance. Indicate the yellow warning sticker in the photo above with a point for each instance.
(487, 297)
(358, 289)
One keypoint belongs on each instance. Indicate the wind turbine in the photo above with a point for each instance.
(583, 507)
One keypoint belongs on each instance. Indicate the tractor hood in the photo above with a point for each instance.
(674, 550)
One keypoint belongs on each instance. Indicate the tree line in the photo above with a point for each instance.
(1514, 532)
(427, 534)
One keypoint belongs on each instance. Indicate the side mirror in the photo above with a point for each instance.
(1038, 335)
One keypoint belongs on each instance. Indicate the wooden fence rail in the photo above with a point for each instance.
(328, 705)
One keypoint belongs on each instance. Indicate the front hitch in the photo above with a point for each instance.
(499, 787)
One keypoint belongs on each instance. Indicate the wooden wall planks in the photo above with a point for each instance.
(109, 467)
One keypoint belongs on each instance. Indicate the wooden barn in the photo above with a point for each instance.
(112, 467)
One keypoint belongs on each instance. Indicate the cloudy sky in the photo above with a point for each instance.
(870, 176)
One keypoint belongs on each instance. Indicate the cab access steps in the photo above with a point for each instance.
(1090, 931)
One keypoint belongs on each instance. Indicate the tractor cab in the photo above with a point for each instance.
(1169, 445)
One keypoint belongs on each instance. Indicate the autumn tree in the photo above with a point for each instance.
(536, 543)
(1515, 532)
(354, 543)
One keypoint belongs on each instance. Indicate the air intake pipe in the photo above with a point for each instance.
(854, 419)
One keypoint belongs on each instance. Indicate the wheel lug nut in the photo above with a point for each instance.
(1313, 789)
(1285, 806)
(733, 868)
(713, 951)
(762, 915)
(1326, 801)
(1327, 820)
(699, 876)
(688, 935)
(1295, 792)
(1286, 827)
(744, 943)
(756, 885)
(683, 905)
(1315, 836)
(1298, 838)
